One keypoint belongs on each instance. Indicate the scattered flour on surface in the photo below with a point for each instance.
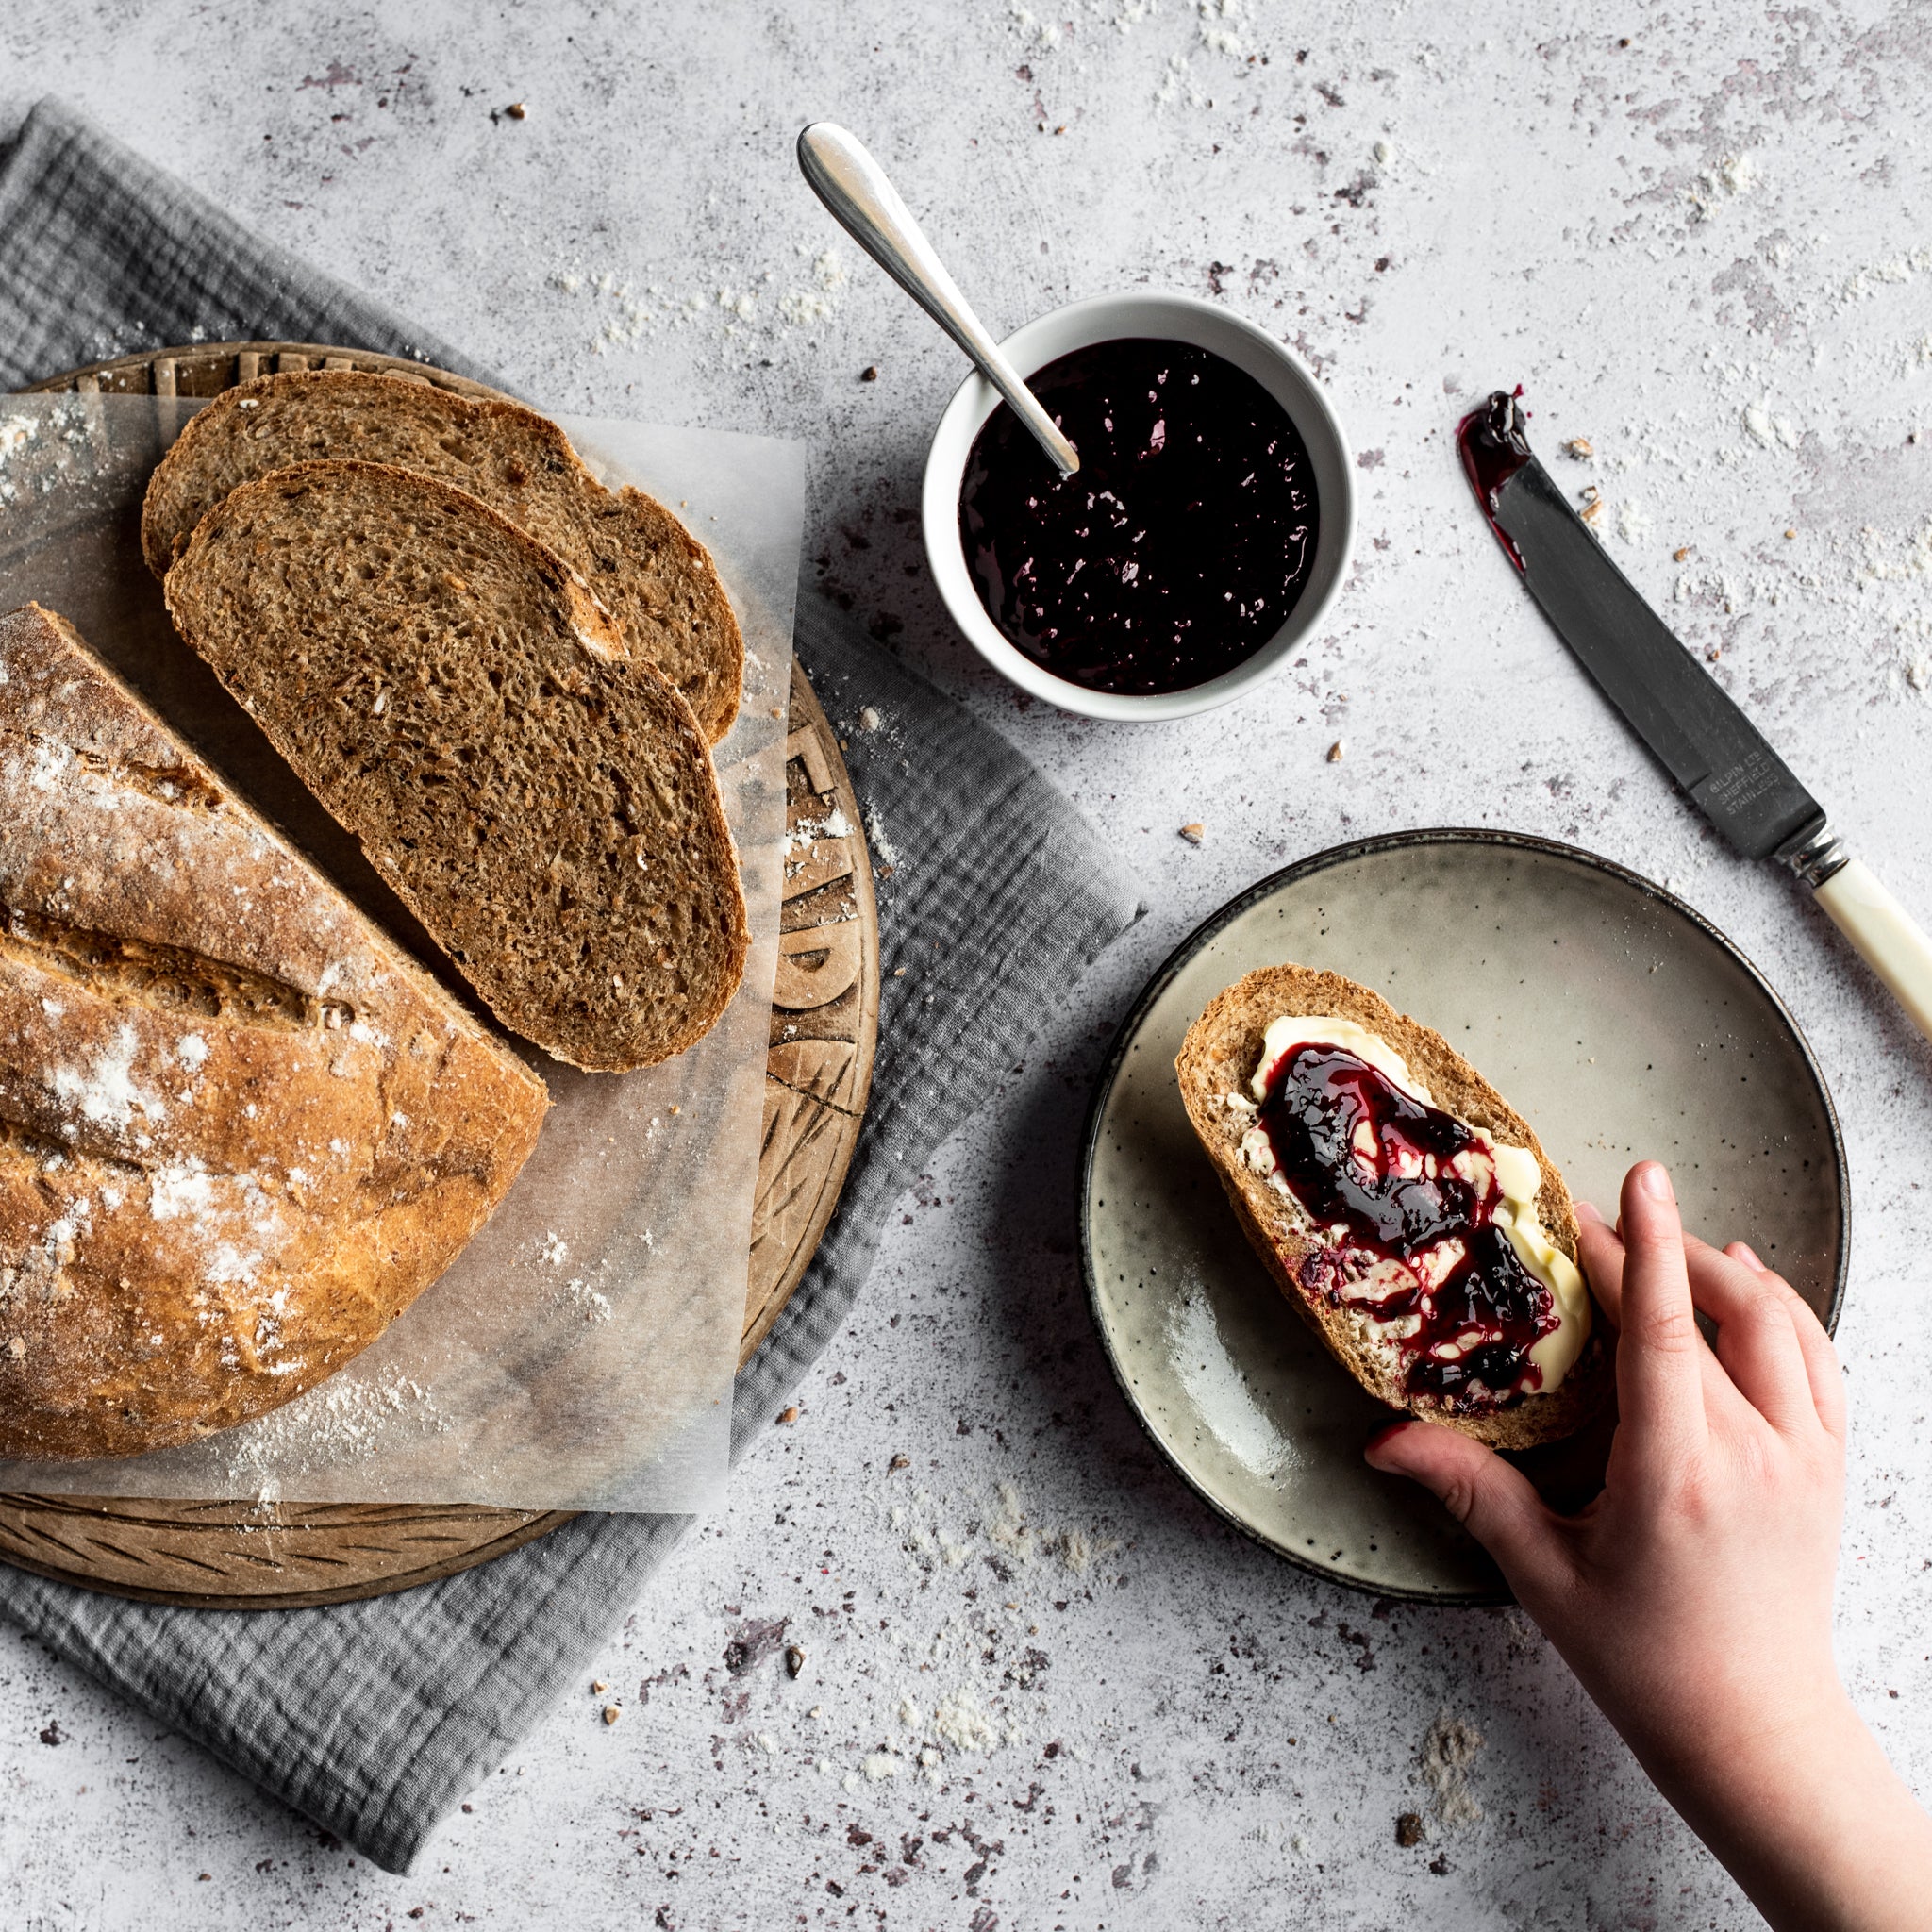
(802, 307)
(1450, 1748)
(882, 849)
(962, 1721)
(1731, 177)
(1634, 523)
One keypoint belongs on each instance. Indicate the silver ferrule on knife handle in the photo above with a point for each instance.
(1887, 938)
(1815, 853)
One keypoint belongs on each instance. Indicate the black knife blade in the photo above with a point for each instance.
(1679, 710)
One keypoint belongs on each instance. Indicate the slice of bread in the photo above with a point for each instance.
(1219, 1057)
(653, 577)
(454, 695)
(240, 1131)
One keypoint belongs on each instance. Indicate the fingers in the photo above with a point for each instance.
(1768, 1364)
(1822, 1372)
(1601, 1254)
(1492, 1499)
(1661, 1356)
(1757, 1339)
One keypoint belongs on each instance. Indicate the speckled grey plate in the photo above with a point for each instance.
(1613, 1017)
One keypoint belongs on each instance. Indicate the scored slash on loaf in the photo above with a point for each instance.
(453, 693)
(240, 1131)
(656, 581)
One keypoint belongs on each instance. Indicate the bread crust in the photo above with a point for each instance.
(1219, 1055)
(240, 1130)
(655, 578)
(451, 692)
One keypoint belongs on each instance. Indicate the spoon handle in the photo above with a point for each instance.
(853, 186)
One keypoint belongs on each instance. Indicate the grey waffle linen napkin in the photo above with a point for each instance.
(375, 1718)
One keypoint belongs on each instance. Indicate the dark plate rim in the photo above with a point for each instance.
(1326, 860)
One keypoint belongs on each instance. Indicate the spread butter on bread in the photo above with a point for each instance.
(1400, 1203)
(240, 1130)
(655, 578)
(453, 693)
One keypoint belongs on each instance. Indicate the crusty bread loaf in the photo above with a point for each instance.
(240, 1132)
(653, 577)
(1219, 1058)
(455, 697)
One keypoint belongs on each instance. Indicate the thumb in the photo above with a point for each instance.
(1492, 1499)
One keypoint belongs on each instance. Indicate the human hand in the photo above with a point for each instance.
(1693, 1596)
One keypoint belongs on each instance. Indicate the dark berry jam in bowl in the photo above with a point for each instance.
(1200, 543)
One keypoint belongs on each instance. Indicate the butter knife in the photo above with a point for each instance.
(1679, 710)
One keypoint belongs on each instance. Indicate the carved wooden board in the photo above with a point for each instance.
(824, 1025)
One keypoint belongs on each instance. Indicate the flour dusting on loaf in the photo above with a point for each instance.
(240, 1131)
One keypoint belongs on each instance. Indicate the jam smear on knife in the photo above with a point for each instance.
(1361, 1155)
(1494, 447)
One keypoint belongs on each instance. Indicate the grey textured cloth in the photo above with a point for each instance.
(375, 1718)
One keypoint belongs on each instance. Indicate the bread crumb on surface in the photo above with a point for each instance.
(598, 1684)
(869, 719)
(870, 372)
(1581, 449)
(789, 1415)
(1681, 556)
(517, 111)
(612, 1713)
(1194, 833)
(1408, 1829)
(1335, 752)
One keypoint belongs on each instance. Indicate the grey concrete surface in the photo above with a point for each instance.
(1698, 238)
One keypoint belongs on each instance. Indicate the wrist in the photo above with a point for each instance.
(1738, 1748)
(1807, 1814)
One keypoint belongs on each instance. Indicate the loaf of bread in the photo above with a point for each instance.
(240, 1131)
(1334, 1281)
(453, 693)
(653, 577)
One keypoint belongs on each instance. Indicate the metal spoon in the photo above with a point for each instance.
(853, 186)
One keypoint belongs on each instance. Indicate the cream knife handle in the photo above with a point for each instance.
(1886, 934)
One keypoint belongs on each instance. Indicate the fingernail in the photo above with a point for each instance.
(1744, 1252)
(1655, 1180)
(1586, 1210)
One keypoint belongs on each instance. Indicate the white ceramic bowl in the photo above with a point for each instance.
(1173, 318)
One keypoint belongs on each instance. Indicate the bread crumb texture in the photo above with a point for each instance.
(655, 579)
(454, 695)
(240, 1132)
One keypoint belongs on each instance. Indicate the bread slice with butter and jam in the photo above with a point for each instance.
(1400, 1203)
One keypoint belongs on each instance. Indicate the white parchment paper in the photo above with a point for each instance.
(580, 1354)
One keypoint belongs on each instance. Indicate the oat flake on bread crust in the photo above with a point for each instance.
(240, 1131)
(1218, 1059)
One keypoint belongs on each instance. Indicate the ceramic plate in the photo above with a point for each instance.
(1615, 1019)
